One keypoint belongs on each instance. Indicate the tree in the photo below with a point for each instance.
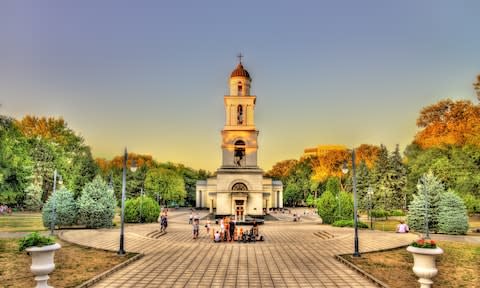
(449, 122)
(281, 170)
(344, 210)
(169, 184)
(452, 214)
(141, 209)
(363, 183)
(380, 177)
(16, 165)
(327, 206)
(65, 209)
(96, 205)
(398, 180)
(429, 189)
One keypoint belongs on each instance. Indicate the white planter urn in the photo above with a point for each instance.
(42, 263)
(424, 264)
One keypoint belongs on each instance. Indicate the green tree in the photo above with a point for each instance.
(344, 209)
(96, 205)
(141, 209)
(363, 183)
(327, 205)
(169, 184)
(16, 165)
(380, 177)
(398, 181)
(452, 214)
(429, 189)
(65, 209)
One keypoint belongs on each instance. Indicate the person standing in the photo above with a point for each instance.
(195, 226)
(233, 223)
(207, 226)
(164, 223)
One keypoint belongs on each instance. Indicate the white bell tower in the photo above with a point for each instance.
(239, 134)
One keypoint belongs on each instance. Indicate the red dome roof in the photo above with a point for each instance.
(240, 71)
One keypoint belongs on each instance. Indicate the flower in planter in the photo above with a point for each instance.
(424, 243)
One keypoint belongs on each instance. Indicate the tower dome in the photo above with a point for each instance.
(240, 72)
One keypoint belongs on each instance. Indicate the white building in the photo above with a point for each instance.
(239, 187)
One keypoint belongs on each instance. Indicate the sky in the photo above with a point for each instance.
(151, 75)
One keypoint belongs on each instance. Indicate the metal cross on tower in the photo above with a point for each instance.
(240, 56)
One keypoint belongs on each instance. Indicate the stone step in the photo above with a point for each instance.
(324, 235)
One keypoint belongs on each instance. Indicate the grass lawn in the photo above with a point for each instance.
(21, 222)
(458, 266)
(30, 222)
(74, 264)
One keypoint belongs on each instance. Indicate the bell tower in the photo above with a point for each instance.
(239, 135)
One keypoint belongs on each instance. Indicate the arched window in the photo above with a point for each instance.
(239, 187)
(239, 88)
(239, 153)
(239, 114)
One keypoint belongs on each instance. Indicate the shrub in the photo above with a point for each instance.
(397, 212)
(349, 223)
(452, 214)
(65, 209)
(344, 209)
(141, 209)
(326, 207)
(33, 195)
(428, 184)
(96, 206)
(472, 203)
(378, 213)
(34, 239)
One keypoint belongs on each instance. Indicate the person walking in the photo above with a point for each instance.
(233, 223)
(164, 223)
(190, 219)
(195, 226)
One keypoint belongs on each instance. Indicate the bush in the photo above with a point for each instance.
(349, 223)
(327, 205)
(141, 210)
(397, 212)
(378, 213)
(34, 239)
(472, 203)
(96, 206)
(452, 214)
(344, 209)
(65, 209)
(428, 184)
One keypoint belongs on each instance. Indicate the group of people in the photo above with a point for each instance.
(228, 232)
(4, 209)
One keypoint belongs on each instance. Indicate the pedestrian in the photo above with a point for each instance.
(195, 226)
(207, 225)
(190, 219)
(233, 223)
(402, 227)
(164, 223)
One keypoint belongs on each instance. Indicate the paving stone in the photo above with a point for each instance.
(290, 256)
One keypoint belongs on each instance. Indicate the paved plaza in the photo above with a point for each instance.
(293, 255)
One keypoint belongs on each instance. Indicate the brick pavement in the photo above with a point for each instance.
(291, 256)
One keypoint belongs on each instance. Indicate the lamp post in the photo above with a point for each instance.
(133, 168)
(55, 174)
(356, 253)
(141, 205)
(370, 195)
(427, 234)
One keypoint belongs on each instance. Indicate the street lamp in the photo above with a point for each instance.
(141, 205)
(370, 195)
(133, 168)
(427, 234)
(355, 218)
(55, 174)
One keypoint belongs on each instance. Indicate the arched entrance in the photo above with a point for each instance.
(239, 201)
